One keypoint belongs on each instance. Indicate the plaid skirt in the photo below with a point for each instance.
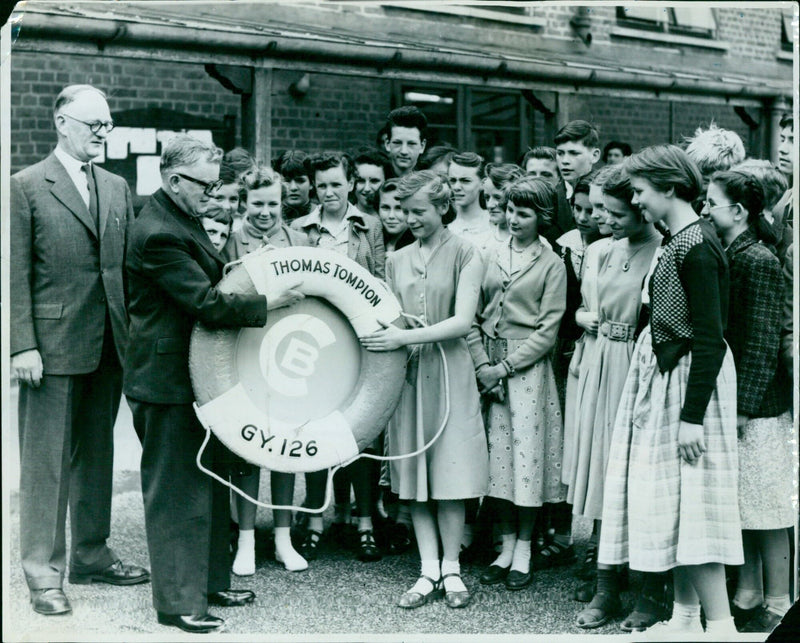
(660, 512)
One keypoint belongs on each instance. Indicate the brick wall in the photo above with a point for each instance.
(337, 111)
(36, 79)
(754, 33)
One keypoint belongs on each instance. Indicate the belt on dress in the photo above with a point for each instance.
(617, 331)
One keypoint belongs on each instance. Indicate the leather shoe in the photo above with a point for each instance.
(231, 598)
(117, 573)
(50, 601)
(518, 580)
(494, 574)
(192, 623)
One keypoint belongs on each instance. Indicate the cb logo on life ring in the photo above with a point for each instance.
(299, 394)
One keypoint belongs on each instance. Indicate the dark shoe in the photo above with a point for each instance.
(494, 575)
(518, 580)
(585, 592)
(647, 612)
(400, 539)
(411, 600)
(308, 548)
(367, 549)
(603, 607)
(764, 620)
(587, 570)
(118, 573)
(554, 555)
(741, 616)
(231, 598)
(456, 600)
(192, 623)
(50, 601)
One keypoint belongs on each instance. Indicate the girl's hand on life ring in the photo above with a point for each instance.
(388, 338)
(287, 297)
(691, 441)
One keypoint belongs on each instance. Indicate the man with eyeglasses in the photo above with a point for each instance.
(69, 332)
(173, 269)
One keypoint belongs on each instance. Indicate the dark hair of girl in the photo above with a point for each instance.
(745, 189)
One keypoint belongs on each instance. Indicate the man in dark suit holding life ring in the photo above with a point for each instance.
(173, 270)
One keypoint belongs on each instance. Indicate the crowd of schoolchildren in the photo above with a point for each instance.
(619, 347)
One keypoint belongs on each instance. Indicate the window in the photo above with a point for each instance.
(504, 11)
(686, 20)
(491, 123)
(787, 32)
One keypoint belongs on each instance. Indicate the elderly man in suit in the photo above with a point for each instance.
(68, 336)
(173, 270)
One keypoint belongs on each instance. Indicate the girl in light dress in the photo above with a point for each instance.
(437, 279)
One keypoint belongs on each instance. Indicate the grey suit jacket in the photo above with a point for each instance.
(66, 275)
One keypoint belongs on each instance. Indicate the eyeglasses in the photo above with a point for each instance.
(208, 188)
(708, 208)
(94, 126)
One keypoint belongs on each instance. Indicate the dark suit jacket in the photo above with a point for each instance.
(65, 274)
(562, 216)
(172, 271)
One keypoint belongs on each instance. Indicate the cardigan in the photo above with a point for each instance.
(527, 305)
(689, 309)
(787, 348)
(242, 242)
(754, 327)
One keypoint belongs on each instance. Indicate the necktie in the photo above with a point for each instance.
(87, 170)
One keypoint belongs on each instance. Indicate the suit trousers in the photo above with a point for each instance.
(187, 513)
(66, 441)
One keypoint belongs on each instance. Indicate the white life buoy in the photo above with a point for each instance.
(299, 394)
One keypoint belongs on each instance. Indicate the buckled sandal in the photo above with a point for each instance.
(553, 555)
(367, 548)
(411, 600)
(308, 548)
(602, 608)
(458, 599)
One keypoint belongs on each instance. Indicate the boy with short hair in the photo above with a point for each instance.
(577, 150)
(217, 222)
(408, 131)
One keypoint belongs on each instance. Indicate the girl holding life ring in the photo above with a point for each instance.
(437, 278)
(261, 192)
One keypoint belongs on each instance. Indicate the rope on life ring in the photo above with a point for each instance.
(225, 408)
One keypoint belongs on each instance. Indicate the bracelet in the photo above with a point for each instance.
(509, 367)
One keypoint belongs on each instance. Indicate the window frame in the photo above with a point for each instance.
(668, 25)
(482, 12)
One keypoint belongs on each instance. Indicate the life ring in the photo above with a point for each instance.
(299, 394)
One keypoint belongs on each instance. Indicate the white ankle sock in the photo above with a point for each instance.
(778, 604)
(315, 523)
(285, 552)
(685, 617)
(364, 523)
(748, 598)
(245, 562)
(723, 627)
(454, 583)
(522, 556)
(507, 552)
(429, 568)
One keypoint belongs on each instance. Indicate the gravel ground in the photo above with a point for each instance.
(336, 595)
